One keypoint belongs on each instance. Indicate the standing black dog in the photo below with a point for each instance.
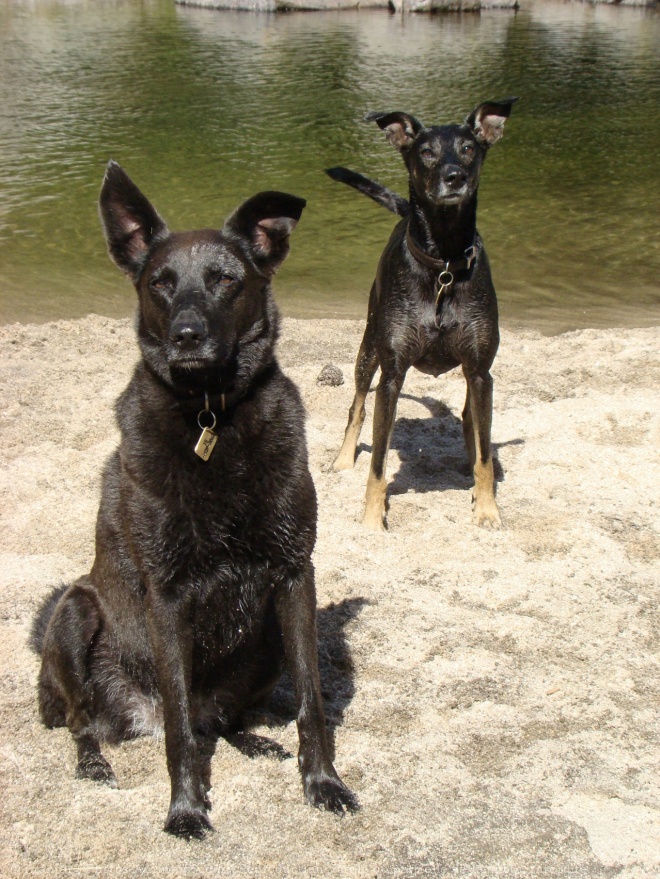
(203, 584)
(433, 303)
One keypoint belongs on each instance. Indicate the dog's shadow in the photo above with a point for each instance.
(432, 451)
(337, 685)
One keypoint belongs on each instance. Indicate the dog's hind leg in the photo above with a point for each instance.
(477, 418)
(387, 395)
(365, 369)
(66, 687)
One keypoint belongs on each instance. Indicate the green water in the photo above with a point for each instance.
(205, 108)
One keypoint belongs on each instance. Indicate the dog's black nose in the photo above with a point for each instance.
(454, 176)
(188, 331)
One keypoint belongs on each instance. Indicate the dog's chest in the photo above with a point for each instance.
(217, 515)
(246, 509)
(222, 553)
(435, 343)
(458, 330)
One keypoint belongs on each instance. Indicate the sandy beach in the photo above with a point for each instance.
(493, 696)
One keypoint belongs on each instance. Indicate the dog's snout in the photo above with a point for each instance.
(188, 330)
(454, 176)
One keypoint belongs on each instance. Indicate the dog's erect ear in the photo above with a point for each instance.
(130, 222)
(401, 128)
(265, 222)
(487, 120)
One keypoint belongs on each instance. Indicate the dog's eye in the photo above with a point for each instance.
(467, 149)
(426, 153)
(220, 279)
(160, 285)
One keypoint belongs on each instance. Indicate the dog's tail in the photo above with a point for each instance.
(42, 618)
(378, 193)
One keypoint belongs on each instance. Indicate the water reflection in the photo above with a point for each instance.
(204, 108)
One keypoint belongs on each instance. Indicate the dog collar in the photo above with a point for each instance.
(217, 402)
(446, 268)
(222, 403)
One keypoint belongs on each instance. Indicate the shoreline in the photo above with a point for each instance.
(492, 695)
(547, 321)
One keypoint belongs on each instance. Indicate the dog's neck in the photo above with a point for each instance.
(162, 399)
(444, 232)
(221, 404)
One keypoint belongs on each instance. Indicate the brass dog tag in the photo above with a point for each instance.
(206, 443)
(207, 438)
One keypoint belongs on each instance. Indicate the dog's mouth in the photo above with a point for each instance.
(452, 197)
(447, 196)
(448, 192)
(190, 362)
(204, 356)
(202, 368)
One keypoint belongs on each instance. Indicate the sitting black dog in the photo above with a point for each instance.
(203, 585)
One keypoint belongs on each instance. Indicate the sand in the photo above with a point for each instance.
(493, 696)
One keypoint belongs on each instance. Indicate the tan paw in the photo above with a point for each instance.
(486, 514)
(374, 520)
(345, 460)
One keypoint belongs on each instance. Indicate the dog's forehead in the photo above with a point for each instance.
(444, 135)
(185, 251)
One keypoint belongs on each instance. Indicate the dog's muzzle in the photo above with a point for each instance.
(188, 331)
(453, 184)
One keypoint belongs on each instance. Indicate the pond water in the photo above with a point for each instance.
(204, 108)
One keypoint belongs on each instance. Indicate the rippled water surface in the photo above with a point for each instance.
(205, 108)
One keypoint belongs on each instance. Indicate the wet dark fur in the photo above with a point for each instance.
(202, 587)
(405, 327)
(380, 194)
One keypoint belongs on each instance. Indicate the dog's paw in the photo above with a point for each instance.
(375, 504)
(96, 768)
(374, 521)
(191, 824)
(331, 794)
(486, 515)
(344, 461)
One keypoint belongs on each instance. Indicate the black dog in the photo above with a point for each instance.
(203, 584)
(433, 303)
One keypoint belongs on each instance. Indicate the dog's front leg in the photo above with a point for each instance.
(478, 416)
(387, 395)
(365, 369)
(295, 604)
(171, 639)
